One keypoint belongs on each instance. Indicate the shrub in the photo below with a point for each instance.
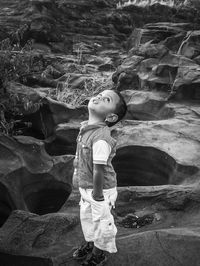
(15, 63)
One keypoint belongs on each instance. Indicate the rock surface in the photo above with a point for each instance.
(31, 180)
(155, 63)
(152, 55)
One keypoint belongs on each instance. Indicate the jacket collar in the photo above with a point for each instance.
(85, 127)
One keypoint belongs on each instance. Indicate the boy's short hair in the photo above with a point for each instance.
(120, 110)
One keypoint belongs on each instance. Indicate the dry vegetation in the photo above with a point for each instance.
(171, 3)
(17, 63)
(93, 82)
(76, 97)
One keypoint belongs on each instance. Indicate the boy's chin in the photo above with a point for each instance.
(92, 107)
(92, 110)
(95, 111)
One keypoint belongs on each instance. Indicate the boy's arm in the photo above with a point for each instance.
(98, 179)
(101, 151)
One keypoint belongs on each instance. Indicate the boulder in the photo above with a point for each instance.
(156, 32)
(146, 106)
(190, 46)
(156, 67)
(149, 50)
(32, 234)
(53, 26)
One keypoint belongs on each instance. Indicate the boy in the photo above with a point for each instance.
(96, 178)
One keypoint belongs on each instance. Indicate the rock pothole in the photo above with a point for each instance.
(148, 166)
(189, 92)
(6, 204)
(45, 197)
(64, 141)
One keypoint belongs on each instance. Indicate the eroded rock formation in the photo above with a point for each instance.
(152, 55)
(31, 180)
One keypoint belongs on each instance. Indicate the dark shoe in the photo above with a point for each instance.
(82, 252)
(95, 260)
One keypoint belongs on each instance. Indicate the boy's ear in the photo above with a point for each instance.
(111, 118)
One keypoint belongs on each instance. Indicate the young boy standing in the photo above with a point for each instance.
(95, 177)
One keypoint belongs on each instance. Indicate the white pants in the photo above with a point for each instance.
(96, 219)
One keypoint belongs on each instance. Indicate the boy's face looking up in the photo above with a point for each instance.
(104, 105)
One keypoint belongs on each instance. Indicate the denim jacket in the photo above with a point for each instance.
(83, 162)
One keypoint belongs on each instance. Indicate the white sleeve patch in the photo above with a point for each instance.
(101, 151)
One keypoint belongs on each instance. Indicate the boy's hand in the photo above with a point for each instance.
(112, 199)
(97, 198)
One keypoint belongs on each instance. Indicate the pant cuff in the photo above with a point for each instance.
(110, 250)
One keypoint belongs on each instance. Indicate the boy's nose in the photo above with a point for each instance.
(98, 97)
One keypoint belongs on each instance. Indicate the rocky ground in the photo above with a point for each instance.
(55, 55)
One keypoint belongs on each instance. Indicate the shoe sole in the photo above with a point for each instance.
(80, 258)
(103, 262)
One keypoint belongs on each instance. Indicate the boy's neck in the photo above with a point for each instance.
(94, 119)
